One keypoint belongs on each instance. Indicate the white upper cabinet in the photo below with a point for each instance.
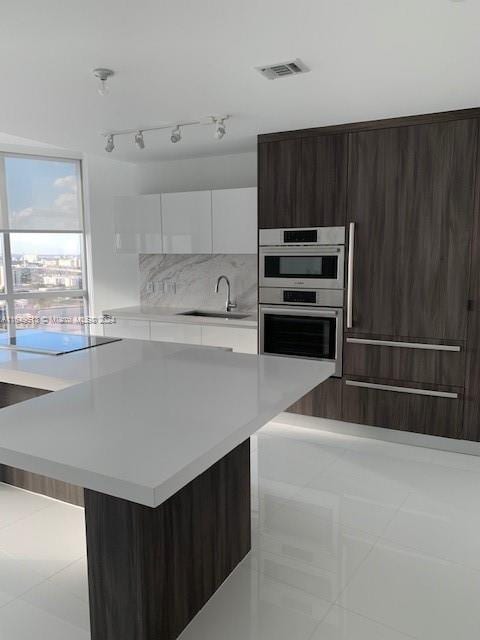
(222, 221)
(138, 224)
(234, 216)
(187, 222)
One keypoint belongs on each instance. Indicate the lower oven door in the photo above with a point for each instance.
(302, 332)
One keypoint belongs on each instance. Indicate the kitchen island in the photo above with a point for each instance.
(158, 436)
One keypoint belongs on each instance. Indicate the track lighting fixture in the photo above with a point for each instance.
(109, 143)
(176, 134)
(176, 130)
(139, 141)
(220, 129)
(103, 75)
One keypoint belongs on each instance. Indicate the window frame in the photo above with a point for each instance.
(10, 296)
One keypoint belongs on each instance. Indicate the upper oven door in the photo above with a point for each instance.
(302, 267)
(302, 333)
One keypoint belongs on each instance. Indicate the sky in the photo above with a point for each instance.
(43, 194)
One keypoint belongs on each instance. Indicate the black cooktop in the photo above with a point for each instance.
(51, 342)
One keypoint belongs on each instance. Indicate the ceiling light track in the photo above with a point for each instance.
(176, 127)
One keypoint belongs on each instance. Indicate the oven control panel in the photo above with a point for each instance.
(305, 297)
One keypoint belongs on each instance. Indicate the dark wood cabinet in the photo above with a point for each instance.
(322, 182)
(410, 195)
(325, 401)
(411, 186)
(432, 366)
(385, 405)
(471, 419)
(303, 183)
(277, 184)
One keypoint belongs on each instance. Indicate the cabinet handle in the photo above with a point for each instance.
(388, 387)
(406, 345)
(351, 249)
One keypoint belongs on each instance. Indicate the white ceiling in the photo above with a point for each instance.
(181, 59)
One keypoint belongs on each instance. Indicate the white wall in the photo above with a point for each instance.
(114, 278)
(214, 172)
(7, 139)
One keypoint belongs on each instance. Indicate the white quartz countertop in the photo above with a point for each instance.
(58, 372)
(173, 314)
(149, 417)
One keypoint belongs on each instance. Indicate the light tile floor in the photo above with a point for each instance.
(353, 539)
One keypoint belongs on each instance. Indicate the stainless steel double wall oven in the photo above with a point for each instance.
(301, 277)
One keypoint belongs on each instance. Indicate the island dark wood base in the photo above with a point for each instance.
(151, 570)
(41, 484)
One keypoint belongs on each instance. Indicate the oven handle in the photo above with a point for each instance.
(285, 249)
(351, 249)
(296, 311)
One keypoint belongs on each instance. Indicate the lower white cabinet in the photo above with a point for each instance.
(128, 328)
(176, 332)
(236, 338)
(243, 340)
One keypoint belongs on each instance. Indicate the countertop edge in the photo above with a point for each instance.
(175, 316)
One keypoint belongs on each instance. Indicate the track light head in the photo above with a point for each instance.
(103, 75)
(176, 134)
(220, 129)
(139, 141)
(109, 143)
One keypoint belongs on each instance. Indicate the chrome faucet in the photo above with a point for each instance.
(229, 305)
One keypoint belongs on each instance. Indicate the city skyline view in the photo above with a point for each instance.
(43, 203)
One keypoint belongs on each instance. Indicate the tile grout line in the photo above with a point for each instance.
(382, 624)
(45, 579)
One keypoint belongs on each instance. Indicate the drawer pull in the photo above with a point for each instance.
(388, 387)
(406, 345)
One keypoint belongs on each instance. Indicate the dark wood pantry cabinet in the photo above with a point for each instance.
(410, 195)
(411, 188)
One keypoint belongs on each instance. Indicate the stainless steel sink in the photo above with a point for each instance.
(214, 314)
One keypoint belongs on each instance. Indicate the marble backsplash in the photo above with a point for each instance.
(189, 280)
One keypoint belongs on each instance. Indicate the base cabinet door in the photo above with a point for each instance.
(173, 332)
(325, 401)
(235, 338)
(429, 409)
(128, 328)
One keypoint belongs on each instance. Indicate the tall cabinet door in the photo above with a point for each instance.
(277, 183)
(322, 181)
(471, 420)
(410, 195)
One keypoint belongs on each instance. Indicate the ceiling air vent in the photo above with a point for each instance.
(283, 69)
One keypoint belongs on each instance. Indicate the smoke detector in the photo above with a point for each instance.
(283, 69)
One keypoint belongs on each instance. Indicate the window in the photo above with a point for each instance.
(42, 244)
